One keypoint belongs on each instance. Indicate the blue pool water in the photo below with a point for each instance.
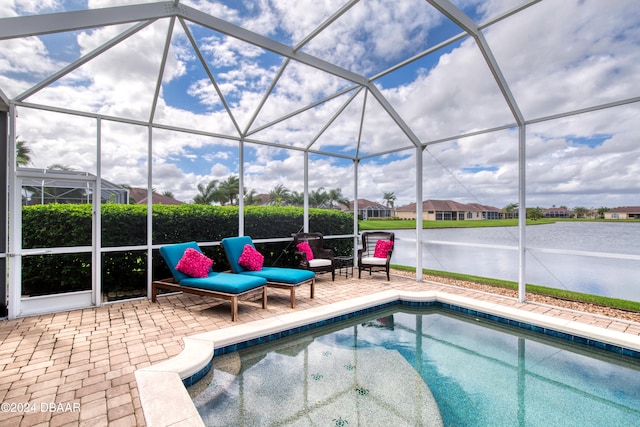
(428, 366)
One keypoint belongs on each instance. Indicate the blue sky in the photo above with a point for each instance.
(556, 57)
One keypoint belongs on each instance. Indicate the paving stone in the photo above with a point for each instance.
(96, 409)
(65, 419)
(89, 356)
(35, 418)
(94, 388)
(70, 386)
(97, 395)
(127, 421)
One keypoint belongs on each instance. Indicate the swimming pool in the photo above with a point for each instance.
(427, 366)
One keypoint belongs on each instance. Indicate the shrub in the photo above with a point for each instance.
(124, 273)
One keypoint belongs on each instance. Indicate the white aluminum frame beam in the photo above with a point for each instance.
(457, 16)
(23, 26)
(461, 19)
(35, 25)
(204, 64)
(83, 60)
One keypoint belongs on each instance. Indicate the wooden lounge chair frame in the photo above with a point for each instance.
(205, 286)
(270, 283)
(171, 285)
(292, 289)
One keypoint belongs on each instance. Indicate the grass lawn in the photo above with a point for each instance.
(389, 224)
(401, 224)
(540, 290)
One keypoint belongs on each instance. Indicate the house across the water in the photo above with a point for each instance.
(624, 212)
(442, 210)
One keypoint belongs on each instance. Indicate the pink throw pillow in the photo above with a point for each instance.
(194, 263)
(382, 247)
(251, 259)
(304, 247)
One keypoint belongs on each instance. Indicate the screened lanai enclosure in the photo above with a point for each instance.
(496, 102)
(53, 186)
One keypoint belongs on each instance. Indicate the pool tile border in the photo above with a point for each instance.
(304, 328)
(616, 349)
(195, 360)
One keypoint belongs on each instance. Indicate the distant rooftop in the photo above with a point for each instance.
(139, 196)
(449, 206)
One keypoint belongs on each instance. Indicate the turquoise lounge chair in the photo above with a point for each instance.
(226, 286)
(277, 277)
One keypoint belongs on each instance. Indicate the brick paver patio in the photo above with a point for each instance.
(77, 368)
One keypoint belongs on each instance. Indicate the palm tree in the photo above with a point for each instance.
(207, 194)
(511, 207)
(581, 212)
(390, 199)
(296, 199)
(335, 196)
(535, 213)
(23, 154)
(279, 195)
(318, 198)
(229, 190)
(250, 198)
(168, 194)
(602, 210)
(60, 167)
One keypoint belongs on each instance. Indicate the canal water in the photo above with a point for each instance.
(492, 252)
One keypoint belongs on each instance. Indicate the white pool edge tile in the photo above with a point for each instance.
(165, 401)
(164, 408)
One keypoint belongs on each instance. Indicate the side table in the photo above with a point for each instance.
(344, 265)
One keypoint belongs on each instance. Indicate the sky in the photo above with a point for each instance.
(556, 57)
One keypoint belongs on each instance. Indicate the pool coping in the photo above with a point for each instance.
(166, 402)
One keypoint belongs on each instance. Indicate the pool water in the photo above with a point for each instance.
(420, 367)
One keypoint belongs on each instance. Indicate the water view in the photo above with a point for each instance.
(427, 367)
(616, 275)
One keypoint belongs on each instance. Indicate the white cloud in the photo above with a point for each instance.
(28, 7)
(301, 17)
(569, 55)
(556, 57)
(22, 63)
(367, 38)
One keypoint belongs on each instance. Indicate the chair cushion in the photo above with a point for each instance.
(374, 261)
(290, 276)
(172, 255)
(233, 247)
(251, 259)
(319, 262)
(194, 263)
(382, 247)
(304, 247)
(225, 282)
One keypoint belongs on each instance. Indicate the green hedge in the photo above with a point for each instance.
(124, 274)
